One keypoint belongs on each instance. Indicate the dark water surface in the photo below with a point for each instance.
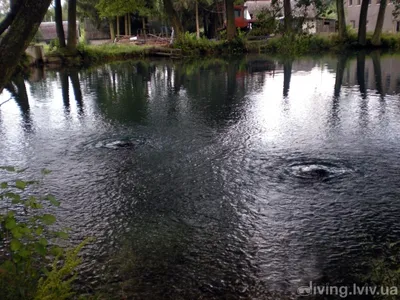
(240, 179)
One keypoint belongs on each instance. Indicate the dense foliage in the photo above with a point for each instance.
(32, 266)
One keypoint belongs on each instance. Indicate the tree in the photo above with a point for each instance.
(362, 25)
(230, 20)
(197, 20)
(376, 38)
(10, 16)
(20, 32)
(72, 37)
(59, 23)
(173, 17)
(341, 19)
(287, 7)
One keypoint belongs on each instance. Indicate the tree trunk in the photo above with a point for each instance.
(6, 22)
(126, 24)
(19, 35)
(205, 24)
(112, 29)
(144, 28)
(118, 31)
(72, 37)
(341, 19)
(197, 21)
(376, 38)
(287, 7)
(362, 24)
(59, 23)
(230, 20)
(174, 18)
(129, 25)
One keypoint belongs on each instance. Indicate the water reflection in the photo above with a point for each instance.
(17, 89)
(197, 179)
(361, 73)
(287, 74)
(74, 76)
(65, 89)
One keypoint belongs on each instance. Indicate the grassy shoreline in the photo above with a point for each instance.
(188, 47)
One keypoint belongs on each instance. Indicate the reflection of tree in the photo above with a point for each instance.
(217, 88)
(17, 89)
(65, 89)
(363, 91)
(340, 67)
(42, 89)
(376, 61)
(287, 75)
(73, 74)
(361, 73)
(125, 84)
(213, 91)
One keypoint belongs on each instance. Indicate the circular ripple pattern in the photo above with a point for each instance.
(119, 143)
(317, 170)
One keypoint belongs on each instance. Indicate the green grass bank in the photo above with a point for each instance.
(189, 46)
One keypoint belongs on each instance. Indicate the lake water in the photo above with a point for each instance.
(216, 179)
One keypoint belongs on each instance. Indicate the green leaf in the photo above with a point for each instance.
(10, 223)
(62, 234)
(45, 171)
(43, 241)
(13, 196)
(56, 251)
(16, 232)
(30, 182)
(8, 168)
(32, 203)
(40, 249)
(25, 230)
(15, 245)
(24, 253)
(39, 230)
(7, 266)
(4, 185)
(48, 219)
(16, 199)
(20, 184)
(52, 200)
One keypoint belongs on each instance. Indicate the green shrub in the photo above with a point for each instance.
(384, 270)
(54, 45)
(189, 44)
(57, 282)
(26, 240)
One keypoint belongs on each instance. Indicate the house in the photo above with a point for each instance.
(47, 31)
(242, 17)
(390, 24)
(311, 21)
